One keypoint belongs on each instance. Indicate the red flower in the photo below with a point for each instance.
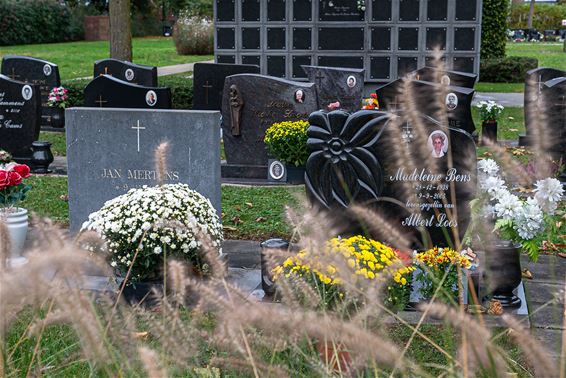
(4, 179)
(15, 178)
(23, 170)
(374, 95)
(405, 257)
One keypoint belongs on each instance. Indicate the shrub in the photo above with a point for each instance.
(287, 141)
(506, 70)
(546, 16)
(494, 26)
(193, 35)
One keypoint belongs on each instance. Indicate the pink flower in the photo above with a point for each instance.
(4, 179)
(334, 105)
(22, 170)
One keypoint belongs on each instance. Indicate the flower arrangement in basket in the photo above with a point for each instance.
(58, 97)
(287, 141)
(148, 225)
(353, 259)
(12, 186)
(370, 103)
(523, 221)
(489, 111)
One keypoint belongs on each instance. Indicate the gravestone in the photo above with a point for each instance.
(251, 104)
(108, 92)
(533, 101)
(40, 72)
(446, 77)
(110, 151)
(337, 84)
(432, 99)
(554, 92)
(20, 114)
(127, 71)
(208, 82)
(403, 169)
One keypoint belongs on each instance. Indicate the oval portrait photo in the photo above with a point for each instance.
(451, 101)
(47, 70)
(351, 81)
(438, 143)
(299, 96)
(27, 92)
(151, 98)
(129, 74)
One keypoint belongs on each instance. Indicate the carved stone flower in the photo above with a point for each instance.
(342, 167)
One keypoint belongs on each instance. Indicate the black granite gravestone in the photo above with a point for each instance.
(405, 170)
(533, 101)
(250, 104)
(345, 85)
(430, 99)
(127, 71)
(446, 77)
(554, 93)
(208, 83)
(40, 72)
(340, 10)
(20, 115)
(108, 92)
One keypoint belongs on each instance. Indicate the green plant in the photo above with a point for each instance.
(546, 16)
(193, 35)
(489, 111)
(494, 25)
(287, 141)
(506, 70)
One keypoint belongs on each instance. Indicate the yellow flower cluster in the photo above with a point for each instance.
(435, 257)
(364, 258)
(286, 129)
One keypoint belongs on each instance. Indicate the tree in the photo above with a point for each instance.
(120, 30)
(531, 14)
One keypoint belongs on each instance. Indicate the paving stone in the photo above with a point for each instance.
(546, 316)
(544, 292)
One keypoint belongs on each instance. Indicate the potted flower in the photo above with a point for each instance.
(146, 226)
(370, 103)
(489, 113)
(57, 101)
(12, 191)
(287, 141)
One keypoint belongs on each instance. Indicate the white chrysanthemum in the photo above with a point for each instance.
(528, 221)
(494, 186)
(488, 166)
(507, 206)
(548, 193)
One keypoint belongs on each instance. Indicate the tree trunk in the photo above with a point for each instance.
(120, 30)
(531, 14)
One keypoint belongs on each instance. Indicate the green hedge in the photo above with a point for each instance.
(37, 21)
(181, 90)
(494, 26)
(506, 70)
(546, 16)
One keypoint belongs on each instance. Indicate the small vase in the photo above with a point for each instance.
(41, 157)
(503, 271)
(16, 220)
(334, 355)
(295, 175)
(488, 132)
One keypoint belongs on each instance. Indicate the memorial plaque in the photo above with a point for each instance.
(409, 10)
(127, 71)
(110, 151)
(381, 38)
(226, 59)
(421, 193)
(298, 61)
(466, 10)
(302, 10)
(380, 67)
(464, 64)
(406, 65)
(208, 83)
(464, 39)
(40, 72)
(254, 60)
(381, 10)
(251, 39)
(337, 84)
(251, 104)
(225, 10)
(302, 38)
(108, 92)
(454, 78)
(276, 65)
(20, 115)
(341, 38)
(225, 38)
(435, 39)
(276, 10)
(250, 10)
(339, 10)
(341, 61)
(437, 10)
(408, 39)
(276, 38)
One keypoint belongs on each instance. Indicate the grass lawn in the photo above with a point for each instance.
(500, 87)
(509, 126)
(58, 144)
(548, 54)
(76, 59)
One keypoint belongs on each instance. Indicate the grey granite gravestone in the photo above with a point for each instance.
(446, 77)
(208, 82)
(251, 104)
(20, 114)
(345, 85)
(112, 150)
(533, 101)
(40, 72)
(127, 71)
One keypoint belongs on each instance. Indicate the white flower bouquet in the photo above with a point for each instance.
(489, 110)
(156, 222)
(519, 220)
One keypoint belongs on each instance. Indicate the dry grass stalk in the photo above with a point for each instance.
(161, 162)
(150, 361)
(5, 246)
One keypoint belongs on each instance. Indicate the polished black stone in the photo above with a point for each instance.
(253, 60)
(464, 39)
(380, 67)
(276, 10)
(384, 162)
(250, 10)
(437, 10)
(127, 71)
(464, 64)
(225, 38)
(330, 38)
(337, 84)
(466, 10)
(435, 39)
(339, 10)
(409, 10)
(302, 10)
(20, 115)
(208, 83)
(251, 38)
(226, 59)
(454, 78)
(554, 94)
(276, 65)
(381, 10)
(35, 71)
(381, 38)
(225, 10)
(341, 61)
(298, 62)
(406, 64)
(264, 101)
(108, 92)
(302, 38)
(408, 39)
(276, 38)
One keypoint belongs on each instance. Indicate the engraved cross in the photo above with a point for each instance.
(100, 101)
(13, 74)
(319, 76)
(138, 128)
(206, 86)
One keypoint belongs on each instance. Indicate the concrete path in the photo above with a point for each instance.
(178, 68)
(509, 100)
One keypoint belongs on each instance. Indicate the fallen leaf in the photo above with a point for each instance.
(513, 130)
(228, 228)
(487, 153)
(522, 189)
(558, 224)
(238, 208)
(236, 220)
(563, 255)
(511, 118)
(64, 197)
(249, 204)
(260, 219)
(527, 274)
(141, 335)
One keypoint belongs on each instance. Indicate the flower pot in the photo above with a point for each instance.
(488, 132)
(41, 157)
(141, 293)
(503, 271)
(295, 175)
(334, 355)
(16, 220)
